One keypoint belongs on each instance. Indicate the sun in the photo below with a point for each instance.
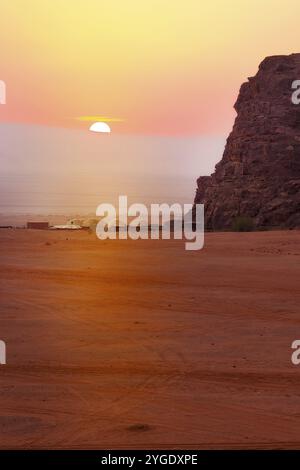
(100, 127)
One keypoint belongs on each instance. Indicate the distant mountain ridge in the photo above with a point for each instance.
(258, 176)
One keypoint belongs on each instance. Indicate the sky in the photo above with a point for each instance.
(165, 73)
(165, 67)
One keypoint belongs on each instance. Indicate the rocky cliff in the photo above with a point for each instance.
(258, 176)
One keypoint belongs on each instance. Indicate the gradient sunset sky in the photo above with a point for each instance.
(166, 67)
(167, 72)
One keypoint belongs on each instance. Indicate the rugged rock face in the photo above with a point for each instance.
(259, 174)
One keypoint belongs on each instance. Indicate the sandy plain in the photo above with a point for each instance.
(141, 344)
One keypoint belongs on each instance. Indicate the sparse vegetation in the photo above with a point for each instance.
(243, 224)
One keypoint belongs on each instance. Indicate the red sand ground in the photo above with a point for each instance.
(126, 344)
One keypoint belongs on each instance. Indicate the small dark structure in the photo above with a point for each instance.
(38, 225)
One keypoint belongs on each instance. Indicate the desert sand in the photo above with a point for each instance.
(141, 344)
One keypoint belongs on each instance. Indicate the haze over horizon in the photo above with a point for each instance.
(53, 170)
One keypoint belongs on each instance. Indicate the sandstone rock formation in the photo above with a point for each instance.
(259, 174)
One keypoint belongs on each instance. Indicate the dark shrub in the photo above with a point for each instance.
(242, 224)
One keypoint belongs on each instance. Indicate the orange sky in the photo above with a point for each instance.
(166, 67)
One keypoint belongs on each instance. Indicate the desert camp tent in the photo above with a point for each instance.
(66, 227)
